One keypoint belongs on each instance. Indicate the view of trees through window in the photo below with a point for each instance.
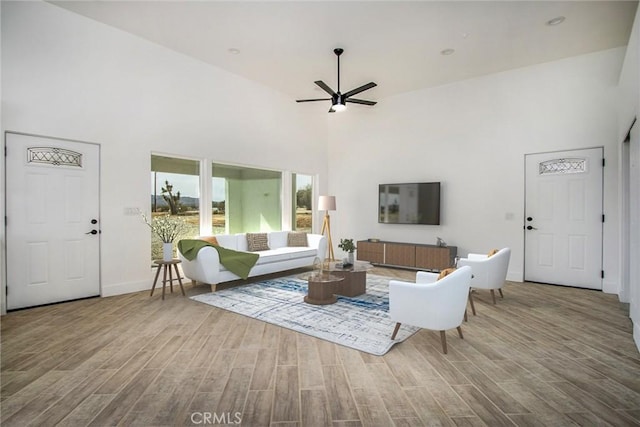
(303, 186)
(175, 191)
(218, 202)
(242, 199)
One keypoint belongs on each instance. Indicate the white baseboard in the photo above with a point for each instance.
(610, 287)
(126, 288)
(515, 276)
(636, 334)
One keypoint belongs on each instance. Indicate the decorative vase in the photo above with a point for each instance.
(167, 251)
(351, 258)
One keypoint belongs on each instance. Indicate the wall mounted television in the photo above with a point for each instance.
(412, 203)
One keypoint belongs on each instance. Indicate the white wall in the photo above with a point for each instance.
(67, 76)
(472, 136)
(629, 154)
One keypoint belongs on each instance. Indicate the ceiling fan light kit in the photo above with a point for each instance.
(339, 100)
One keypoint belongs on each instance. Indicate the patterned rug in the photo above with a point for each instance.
(360, 322)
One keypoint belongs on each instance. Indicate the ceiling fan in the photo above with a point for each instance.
(339, 100)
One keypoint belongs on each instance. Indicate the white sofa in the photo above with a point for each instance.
(206, 267)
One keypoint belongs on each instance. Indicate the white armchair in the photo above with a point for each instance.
(489, 272)
(430, 303)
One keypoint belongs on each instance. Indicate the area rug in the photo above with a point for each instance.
(360, 322)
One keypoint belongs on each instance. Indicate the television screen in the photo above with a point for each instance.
(414, 203)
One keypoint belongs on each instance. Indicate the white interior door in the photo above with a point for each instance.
(52, 211)
(633, 226)
(563, 218)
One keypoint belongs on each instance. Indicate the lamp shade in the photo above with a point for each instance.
(327, 203)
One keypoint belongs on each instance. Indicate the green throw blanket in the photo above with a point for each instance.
(237, 262)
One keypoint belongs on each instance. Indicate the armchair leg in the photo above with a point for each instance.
(493, 296)
(501, 295)
(395, 331)
(443, 339)
(460, 332)
(473, 307)
(466, 319)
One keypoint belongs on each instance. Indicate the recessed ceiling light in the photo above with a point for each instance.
(556, 21)
(233, 51)
(447, 52)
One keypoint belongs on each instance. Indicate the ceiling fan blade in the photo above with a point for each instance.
(325, 87)
(359, 89)
(312, 100)
(360, 101)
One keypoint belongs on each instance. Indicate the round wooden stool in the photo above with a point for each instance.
(166, 265)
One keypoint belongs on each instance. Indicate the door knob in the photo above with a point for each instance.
(529, 218)
(531, 228)
(94, 221)
(92, 232)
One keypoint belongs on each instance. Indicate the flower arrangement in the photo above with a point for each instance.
(347, 245)
(166, 227)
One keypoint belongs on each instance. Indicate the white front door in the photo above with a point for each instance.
(52, 223)
(563, 218)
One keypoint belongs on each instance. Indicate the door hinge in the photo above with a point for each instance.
(602, 217)
(602, 274)
(602, 162)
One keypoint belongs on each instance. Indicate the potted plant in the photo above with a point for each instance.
(348, 246)
(167, 228)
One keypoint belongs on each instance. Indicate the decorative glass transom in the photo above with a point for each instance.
(54, 156)
(563, 166)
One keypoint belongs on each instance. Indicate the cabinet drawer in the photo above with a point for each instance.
(433, 258)
(371, 251)
(401, 255)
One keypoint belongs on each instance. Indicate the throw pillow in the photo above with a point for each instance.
(445, 272)
(492, 252)
(257, 242)
(210, 239)
(297, 238)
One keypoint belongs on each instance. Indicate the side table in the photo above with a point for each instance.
(166, 265)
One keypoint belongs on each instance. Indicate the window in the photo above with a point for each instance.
(303, 196)
(245, 199)
(235, 199)
(562, 166)
(175, 191)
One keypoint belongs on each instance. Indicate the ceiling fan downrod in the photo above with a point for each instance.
(338, 51)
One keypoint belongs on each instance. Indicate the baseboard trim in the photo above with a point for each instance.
(125, 288)
(515, 276)
(636, 334)
(611, 287)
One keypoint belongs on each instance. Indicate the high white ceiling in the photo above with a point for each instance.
(287, 45)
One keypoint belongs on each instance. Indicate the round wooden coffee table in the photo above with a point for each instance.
(322, 288)
(355, 278)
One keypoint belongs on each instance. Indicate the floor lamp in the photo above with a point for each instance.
(326, 204)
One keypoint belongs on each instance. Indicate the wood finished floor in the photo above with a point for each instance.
(544, 355)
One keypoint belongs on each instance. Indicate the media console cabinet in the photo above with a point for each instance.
(410, 255)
